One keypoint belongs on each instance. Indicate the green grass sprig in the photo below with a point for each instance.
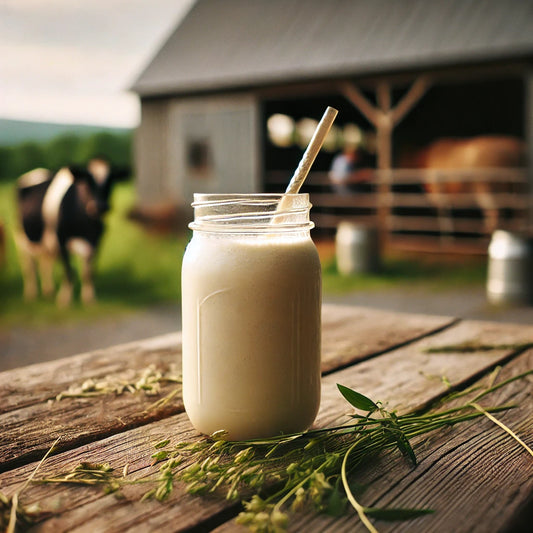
(13, 515)
(317, 469)
(313, 469)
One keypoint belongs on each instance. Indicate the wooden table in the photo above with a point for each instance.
(475, 476)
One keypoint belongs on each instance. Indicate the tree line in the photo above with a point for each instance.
(65, 149)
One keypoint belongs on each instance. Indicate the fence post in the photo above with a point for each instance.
(528, 85)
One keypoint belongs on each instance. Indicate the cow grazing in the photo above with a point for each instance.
(482, 152)
(61, 214)
(485, 151)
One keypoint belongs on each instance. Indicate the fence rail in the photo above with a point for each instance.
(435, 206)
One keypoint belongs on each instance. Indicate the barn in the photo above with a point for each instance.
(402, 73)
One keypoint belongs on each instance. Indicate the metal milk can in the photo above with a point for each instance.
(510, 269)
(356, 248)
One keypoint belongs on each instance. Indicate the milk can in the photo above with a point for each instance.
(356, 248)
(509, 277)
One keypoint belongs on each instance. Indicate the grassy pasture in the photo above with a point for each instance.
(136, 269)
(133, 269)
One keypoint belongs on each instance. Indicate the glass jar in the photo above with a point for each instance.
(251, 301)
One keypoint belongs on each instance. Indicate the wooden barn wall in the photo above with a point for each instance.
(151, 153)
(228, 128)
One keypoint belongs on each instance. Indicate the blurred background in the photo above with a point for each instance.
(429, 160)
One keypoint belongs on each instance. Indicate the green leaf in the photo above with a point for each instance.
(336, 503)
(405, 447)
(401, 439)
(162, 444)
(358, 400)
(393, 515)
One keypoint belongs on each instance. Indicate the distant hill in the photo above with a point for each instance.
(14, 132)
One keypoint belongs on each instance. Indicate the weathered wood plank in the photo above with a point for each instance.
(351, 334)
(475, 476)
(402, 377)
(26, 391)
(394, 378)
(482, 458)
(34, 384)
(370, 331)
(89, 509)
(27, 433)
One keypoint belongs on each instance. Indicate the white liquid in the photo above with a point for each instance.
(251, 334)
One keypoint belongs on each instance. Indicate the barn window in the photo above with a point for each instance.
(199, 158)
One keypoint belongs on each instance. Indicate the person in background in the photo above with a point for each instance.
(342, 169)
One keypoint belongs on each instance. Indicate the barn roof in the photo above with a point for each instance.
(228, 44)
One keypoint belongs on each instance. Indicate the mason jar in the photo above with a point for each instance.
(251, 302)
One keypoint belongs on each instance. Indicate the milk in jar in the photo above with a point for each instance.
(251, 296)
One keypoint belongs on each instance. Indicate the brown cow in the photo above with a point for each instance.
(483, 152)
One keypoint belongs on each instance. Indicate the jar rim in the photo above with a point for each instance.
(251, 212)
(200, 197)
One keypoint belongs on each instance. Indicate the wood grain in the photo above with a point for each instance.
(35, 384)
(24, 392)
(475, 476)
(402, 377)
(405, 378)
(349, 334)
(352, 334)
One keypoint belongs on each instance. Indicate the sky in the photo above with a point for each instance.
(72, 61)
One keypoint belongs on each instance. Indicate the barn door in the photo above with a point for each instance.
(216, 146)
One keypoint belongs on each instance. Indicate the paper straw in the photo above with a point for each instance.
(312, 150)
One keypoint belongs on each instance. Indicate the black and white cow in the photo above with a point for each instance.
(61, 214)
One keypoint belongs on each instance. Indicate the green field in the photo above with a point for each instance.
(134, 269)
(429, 272)
(14, 132)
